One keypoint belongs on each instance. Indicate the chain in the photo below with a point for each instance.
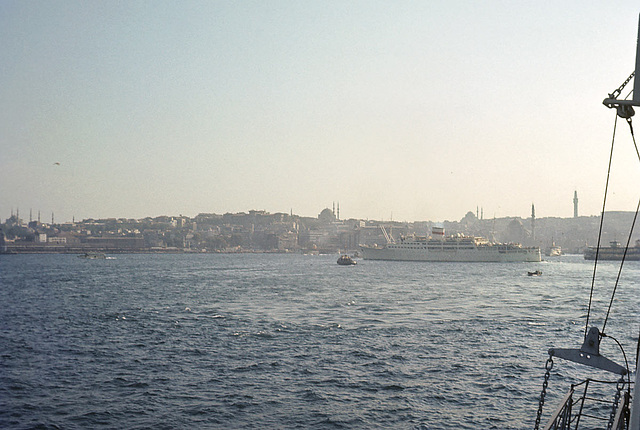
(616, 93)
(616, 400)
(548, 366)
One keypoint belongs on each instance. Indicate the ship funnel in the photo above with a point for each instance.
(437, 232)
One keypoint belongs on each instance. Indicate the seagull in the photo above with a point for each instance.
(56, 163)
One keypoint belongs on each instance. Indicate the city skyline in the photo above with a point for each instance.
(39, 216)
(411, 111)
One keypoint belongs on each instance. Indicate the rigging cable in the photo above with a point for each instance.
(626, 363)
(624, 255)
(604, 202)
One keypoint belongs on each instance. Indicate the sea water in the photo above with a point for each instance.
(293, 341)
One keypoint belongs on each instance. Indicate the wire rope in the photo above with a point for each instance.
(624, 255)
(633, 223)
(604, 203)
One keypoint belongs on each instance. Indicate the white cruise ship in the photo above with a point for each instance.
(452, 248)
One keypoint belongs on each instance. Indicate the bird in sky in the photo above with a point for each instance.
(56, 163)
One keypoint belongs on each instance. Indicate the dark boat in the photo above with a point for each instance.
(535, 273)
(613, 252)
(345, 260)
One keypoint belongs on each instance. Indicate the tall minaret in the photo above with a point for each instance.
(533, 222)
(575, 204)
(338, 214)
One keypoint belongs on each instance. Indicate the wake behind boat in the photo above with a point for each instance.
(453, 248)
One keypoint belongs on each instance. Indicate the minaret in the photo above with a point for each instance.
(575, 204)
(533, 222)
(338, 214)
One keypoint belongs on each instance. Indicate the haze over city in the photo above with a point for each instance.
(410, 110)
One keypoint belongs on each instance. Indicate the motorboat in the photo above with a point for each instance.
(93, 255)
(345, 260)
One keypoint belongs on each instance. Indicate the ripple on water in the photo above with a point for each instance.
(284, 341)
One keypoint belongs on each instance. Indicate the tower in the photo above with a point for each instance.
(533, 221)
(575, 204)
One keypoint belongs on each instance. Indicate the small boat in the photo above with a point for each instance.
(535, 273)
(93, 255)
(553, 251)
(345, 260)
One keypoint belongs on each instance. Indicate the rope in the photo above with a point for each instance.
(633, 136)
(626, 363)
(604, 203)
(633, 223)
(624, 255)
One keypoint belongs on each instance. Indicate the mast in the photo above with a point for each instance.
(625, 107)
(625, 110)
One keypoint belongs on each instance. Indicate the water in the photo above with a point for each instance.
(292, 341)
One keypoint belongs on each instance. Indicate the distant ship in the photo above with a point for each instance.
(453, 248)
(613, 252)
(553, 251)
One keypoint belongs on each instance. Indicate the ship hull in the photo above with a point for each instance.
(613, 253)
(488, 254)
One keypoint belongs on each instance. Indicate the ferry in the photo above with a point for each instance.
(613, 252)
(453, 248)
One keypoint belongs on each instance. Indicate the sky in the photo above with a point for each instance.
(402, 110)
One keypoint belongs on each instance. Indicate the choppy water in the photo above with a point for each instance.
(291, 341)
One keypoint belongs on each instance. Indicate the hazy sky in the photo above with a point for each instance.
(420, 110)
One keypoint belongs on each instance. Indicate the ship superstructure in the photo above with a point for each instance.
(613, 252)
(457, 247)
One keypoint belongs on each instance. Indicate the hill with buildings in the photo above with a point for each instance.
(260, 231)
